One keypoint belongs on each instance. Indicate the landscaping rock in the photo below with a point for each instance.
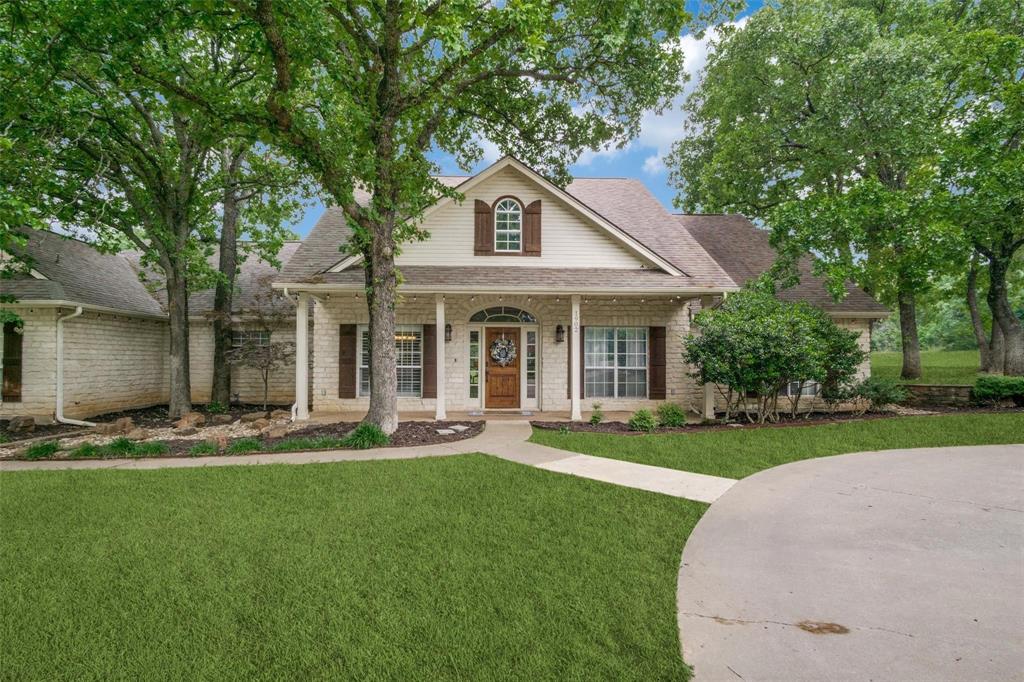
(250, 417)
(220, 419)
(189, 420)
(259, 424)
(138, 434)
(460, 428)
(280, 414)
(445, 432)
(185, 431)
(219, 442)
(21, 425)
(274, 432)
(106, 429)
(123, 425)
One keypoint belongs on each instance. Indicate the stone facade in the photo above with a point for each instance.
(39, 365)
(331, 312)
(245, 382)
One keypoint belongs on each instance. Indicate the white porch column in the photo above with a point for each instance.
(709, 390)
(302, 358)
(439, 401)
(577, 371)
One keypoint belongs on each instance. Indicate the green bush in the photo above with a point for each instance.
(993, 388)
(119, 447)
(149, 449)
(642, 420)
(670, 414)
(366, 436)
(244, 445)
(216, 408)
(86, 451)
(202, 449)
(43, 450)
(597, 416)
(880, 392)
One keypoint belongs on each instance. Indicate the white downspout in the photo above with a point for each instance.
(60, 371)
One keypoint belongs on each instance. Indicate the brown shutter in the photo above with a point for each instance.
(429, 355)
(583, 371)
(483, 233)
(531, 230)
(657, 363)
(12, 363)
(347, 361)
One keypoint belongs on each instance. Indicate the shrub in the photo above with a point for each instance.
(597, 416)
(366, 436)
(86, 451)
(879, 392)
(43, 450)
(993, 388)
(642, 420)
(119, 447)
(670, 414)
(244, 445)
(149, 449)
(202, 449)
(216, 408)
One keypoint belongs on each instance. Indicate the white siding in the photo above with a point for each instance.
(568, 240)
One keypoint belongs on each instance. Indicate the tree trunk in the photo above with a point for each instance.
(1003, 316)
(180, 402)
(908, 333)
(223, 297)
(997, 350)
(381, 286)
(976, 322)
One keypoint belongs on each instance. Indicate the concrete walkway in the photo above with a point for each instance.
(894, 565)
(504, 439)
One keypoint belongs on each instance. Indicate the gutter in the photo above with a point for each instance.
(60, 371)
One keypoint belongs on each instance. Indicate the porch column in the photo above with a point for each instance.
(302, 358)
(575, 345)
(439, 401)
(709, 390)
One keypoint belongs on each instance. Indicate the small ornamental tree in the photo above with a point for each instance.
(263, 357)
(753, 345)
(267, 312)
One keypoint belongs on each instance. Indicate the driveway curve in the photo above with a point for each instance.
(893, 565)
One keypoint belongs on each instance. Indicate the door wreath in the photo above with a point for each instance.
(503, 352)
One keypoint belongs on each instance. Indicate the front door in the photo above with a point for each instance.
(502, 378)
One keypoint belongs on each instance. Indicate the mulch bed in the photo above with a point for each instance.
(813, 419)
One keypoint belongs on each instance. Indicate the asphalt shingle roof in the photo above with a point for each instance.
(744, 252)
(77, 272)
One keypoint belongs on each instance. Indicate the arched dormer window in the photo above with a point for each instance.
(508, 226)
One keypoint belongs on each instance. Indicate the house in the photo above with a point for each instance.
(95, 338)
(526, 297)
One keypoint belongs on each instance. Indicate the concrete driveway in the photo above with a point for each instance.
(895, 565)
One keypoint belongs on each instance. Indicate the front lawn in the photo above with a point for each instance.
(466, 567)
(937, 366)
(736, 453)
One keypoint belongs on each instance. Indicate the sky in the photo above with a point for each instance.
(641, 158)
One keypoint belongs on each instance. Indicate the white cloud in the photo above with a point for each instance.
(659, 130)
(491, 151)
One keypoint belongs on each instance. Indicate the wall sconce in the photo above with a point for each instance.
(559, 334)
(447, 333)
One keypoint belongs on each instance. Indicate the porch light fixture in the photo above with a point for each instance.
(447, 333)
(559, 334)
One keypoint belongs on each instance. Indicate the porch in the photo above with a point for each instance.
(500, 356)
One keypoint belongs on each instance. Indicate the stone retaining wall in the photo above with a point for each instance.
(938, 394)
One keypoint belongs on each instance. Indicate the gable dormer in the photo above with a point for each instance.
(507, 227)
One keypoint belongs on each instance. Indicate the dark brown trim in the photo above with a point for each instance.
(428, 362)
(12, 362)
(522, 230)
(347, 350)
(656, 363)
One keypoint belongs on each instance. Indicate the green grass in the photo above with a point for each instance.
(43, 450)
(741, 452)
(465, 568)
(299, 443)
(202, 449)
(244, 445)
(118, 448)
(937, 366)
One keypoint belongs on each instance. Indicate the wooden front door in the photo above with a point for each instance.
(502, 380)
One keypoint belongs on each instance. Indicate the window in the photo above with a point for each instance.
(11, 363)
(615, 362)
(242, 337)
(531, 364)
(810, 388)
(474, 363)
(508, 226)
(503, 313)
(408, 358)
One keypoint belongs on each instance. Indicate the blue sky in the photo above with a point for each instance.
(640, 159)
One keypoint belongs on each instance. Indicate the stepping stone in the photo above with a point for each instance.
(445, 432)
(460, 428)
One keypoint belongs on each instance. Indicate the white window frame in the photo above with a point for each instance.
(361, 331)
(518, 231)
(615, 367)
(240, 336)
(810, 389)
